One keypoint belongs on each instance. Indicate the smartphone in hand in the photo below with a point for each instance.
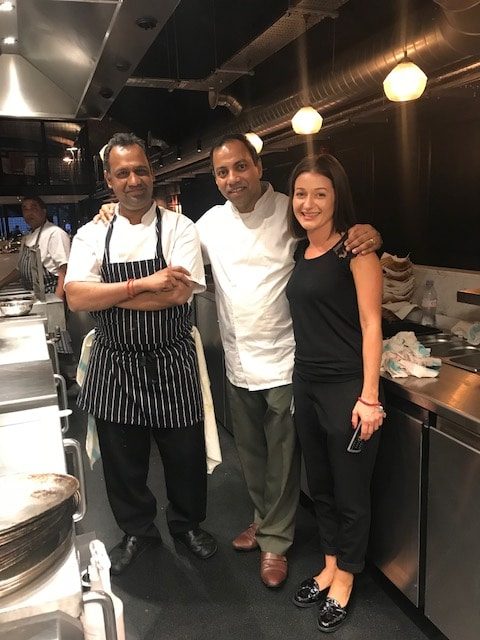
(356, 444)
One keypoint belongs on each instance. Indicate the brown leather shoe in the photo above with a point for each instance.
(246, 541)
(273, 569)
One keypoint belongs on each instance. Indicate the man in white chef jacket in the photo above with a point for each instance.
(53, 244)
(247, 243)
(136, 277)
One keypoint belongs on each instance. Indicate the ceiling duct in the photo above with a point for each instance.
(216, 99)
(437, 44)
(71, 59)
(300, 16)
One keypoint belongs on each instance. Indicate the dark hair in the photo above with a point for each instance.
(328, 166)
(120, 140)
(36, 199)
(232, 137)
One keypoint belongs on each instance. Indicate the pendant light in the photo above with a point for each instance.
(405, 82)
(255, 141)
(306, 121)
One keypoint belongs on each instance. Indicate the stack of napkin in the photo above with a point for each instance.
(404, 356)
(398, 278)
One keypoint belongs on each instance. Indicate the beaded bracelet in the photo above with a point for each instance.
(369, 404)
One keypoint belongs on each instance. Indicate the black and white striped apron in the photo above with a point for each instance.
(143, 367)
(27, 262)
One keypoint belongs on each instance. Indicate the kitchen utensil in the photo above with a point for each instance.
(12, 308)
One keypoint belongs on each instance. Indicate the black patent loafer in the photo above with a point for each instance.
(199, 542)
(331, 615)
(127, 551)
(308, 594)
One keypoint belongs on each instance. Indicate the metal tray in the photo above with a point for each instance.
(28, 496)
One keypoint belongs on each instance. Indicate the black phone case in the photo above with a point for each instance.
(356, 444)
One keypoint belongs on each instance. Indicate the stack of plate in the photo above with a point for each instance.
(35, 525)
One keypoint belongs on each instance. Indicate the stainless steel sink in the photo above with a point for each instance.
(446, 350)
(453, 350)
(469, 362)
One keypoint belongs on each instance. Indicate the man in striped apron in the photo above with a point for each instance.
(142, 379)
(52, 243)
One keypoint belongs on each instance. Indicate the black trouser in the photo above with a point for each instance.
(125, 453)
(339, 481)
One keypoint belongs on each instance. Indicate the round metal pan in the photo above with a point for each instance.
(35, 525)
(36, 567)
(25, 497)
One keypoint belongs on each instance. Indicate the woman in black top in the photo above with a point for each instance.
(335, 302)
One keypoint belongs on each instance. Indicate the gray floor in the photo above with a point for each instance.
(167, 594)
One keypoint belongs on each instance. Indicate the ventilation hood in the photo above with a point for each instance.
(71, 58)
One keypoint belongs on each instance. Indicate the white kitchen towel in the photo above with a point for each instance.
(212, 444)
(404, 356)
(92, 448)
(85, 356)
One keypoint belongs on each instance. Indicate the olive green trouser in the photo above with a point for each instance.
(270, 457)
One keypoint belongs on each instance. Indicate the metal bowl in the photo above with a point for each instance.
(12, 308)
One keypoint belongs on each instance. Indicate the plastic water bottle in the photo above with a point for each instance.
(429, 305)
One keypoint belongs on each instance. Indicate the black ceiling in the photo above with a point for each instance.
(203, 34)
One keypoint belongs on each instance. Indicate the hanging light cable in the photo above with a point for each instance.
(406, 81)
(307, 120)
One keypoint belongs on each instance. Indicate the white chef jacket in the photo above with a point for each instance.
(129, 242)
(54, 245)
(252, 258)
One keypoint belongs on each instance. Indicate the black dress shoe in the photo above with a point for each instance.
(127, 550)
(199, 542)
(331, 615)
(308, 594)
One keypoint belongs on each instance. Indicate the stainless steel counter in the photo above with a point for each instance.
(26, 375)
(22, 340)
(454, 394)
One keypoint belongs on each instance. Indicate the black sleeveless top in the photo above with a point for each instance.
(326, 324)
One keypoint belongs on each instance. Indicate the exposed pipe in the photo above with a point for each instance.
(216, 99)
(360, 73)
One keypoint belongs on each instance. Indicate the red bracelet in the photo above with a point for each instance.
(130, 292)
(369, 404)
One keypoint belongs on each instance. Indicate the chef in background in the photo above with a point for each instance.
(54, 246)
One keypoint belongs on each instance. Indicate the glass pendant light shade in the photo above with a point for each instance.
(255, 141)
(405, 82)
(307, 120)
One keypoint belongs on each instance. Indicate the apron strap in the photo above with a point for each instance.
(35, 246)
